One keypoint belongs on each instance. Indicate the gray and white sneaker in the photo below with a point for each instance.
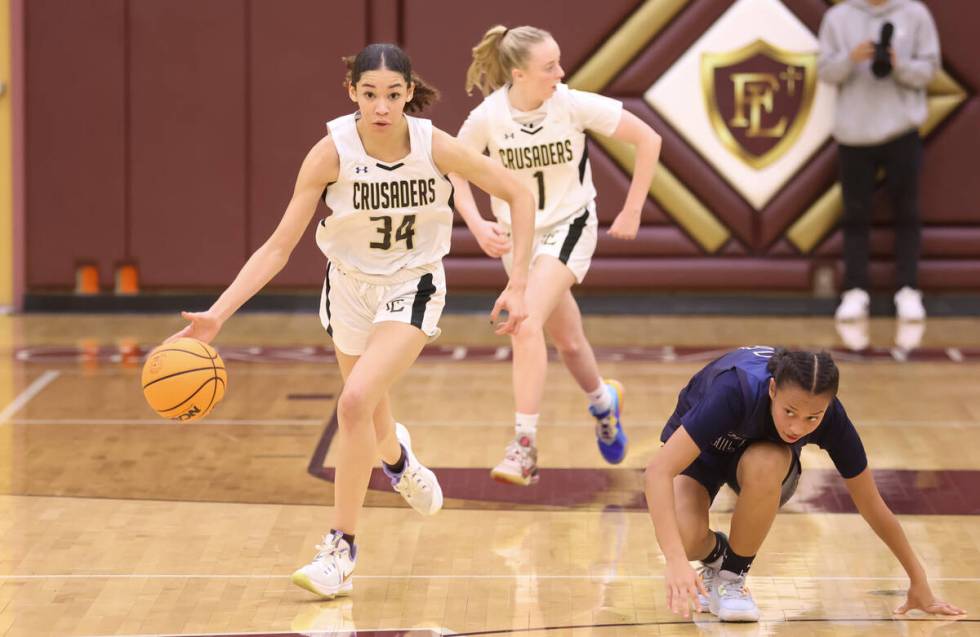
(329, 574)
(731, 600)
(416, 483)
(520, 463)
(708, 576)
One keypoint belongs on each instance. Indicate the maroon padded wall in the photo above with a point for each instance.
(187, 140)
(75, 138)
(169, 132)
(295, 75)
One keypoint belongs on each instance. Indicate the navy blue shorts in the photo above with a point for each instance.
(725, 471)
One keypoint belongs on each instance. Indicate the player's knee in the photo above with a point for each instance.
(568, 345)
(764, 465)
(531, 330)
(354, 406)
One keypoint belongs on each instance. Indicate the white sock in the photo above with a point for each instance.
(526, 425)
(600, 400)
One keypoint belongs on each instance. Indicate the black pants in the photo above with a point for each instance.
(901, 158)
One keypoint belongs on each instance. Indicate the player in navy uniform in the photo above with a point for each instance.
(382, 173)
(742, 421)
(535, 127)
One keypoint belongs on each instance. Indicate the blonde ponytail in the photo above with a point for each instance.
(499, 52)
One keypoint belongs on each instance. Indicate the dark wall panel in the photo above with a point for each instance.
(75, 137)
(957, 22)
(957, 138)
(187, 140)
(295, 87)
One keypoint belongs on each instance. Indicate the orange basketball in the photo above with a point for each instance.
(184, 380)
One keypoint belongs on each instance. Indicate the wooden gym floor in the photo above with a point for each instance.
(115, 522)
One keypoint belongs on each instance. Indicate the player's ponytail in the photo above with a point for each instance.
(390, 57)
(815, 372)
(424, 95)
(499, 52)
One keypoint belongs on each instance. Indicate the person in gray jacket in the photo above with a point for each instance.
(880, 54)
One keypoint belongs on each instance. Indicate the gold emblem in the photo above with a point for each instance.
(758, 99)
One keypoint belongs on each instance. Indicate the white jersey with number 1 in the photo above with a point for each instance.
(545, 148)
(386, 217)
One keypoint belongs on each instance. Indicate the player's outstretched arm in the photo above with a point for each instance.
(883, 522)
(320, 167)
(453, 157)
(680, 580)
(647, 143)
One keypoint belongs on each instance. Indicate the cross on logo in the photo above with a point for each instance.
(360, 169)
(509, 135)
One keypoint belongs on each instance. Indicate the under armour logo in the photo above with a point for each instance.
(360, 169)
(509, 135)
(395, 305)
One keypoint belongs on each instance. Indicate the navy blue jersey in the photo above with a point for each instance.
(726, 405)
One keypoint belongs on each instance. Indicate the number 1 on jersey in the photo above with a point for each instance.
(539, 175)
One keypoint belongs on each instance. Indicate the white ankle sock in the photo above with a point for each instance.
(526, 425)
(600, 400)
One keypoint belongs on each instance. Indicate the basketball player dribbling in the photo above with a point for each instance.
(382, 174)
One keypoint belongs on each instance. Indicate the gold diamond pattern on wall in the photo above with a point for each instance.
(674, 197)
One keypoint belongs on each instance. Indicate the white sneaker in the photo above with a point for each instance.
(908, 305)
(416, 483)
(853, 305)
(329, 574)
(731, 600)
(708, 576)
(520, 463)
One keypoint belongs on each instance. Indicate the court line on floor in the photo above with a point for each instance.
(30, 392)
(582, 576)
(444, 632)
(447, 632)
(700, 625)
(305, 422)
(311, 422)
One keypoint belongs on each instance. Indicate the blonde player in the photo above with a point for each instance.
(382, 175)
(535, 126)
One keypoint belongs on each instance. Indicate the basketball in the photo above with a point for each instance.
(184, 380)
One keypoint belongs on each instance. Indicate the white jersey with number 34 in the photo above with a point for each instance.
(386, 217)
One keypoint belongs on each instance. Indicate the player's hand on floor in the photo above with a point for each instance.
(492, 237)
(204, 326)
(625, 225)
(683, 586)
(921, 598)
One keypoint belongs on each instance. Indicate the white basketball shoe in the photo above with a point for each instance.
(416, 483)
(329, 574)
